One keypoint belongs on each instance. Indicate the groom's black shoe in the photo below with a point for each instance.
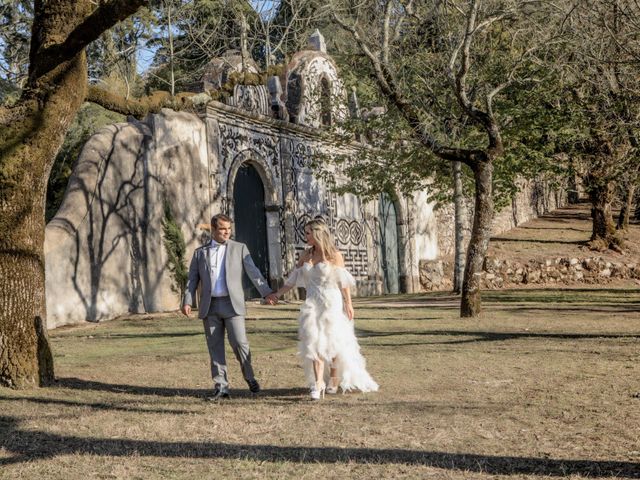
(219, 393)
(254, 386)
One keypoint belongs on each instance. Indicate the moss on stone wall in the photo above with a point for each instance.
(176, 248)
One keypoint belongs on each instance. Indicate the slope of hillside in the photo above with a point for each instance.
(556, 244)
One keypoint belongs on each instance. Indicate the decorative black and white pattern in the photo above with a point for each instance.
(302, 155)
(356, 260)
(349, 234)
(308, 196)
(234, 140)
(300, 222)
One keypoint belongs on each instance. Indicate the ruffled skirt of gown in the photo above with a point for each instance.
(326, 333)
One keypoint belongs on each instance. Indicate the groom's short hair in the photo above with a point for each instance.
(219, 216)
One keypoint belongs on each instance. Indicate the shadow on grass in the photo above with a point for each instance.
(125, 336)
(564, 229)
(537, 240)
(446, 300)
(565, 214)
(26, 445)
(533, 295)
(591, 308)
(485, 336)
(80, 384)
(203, 393)
(94, 405)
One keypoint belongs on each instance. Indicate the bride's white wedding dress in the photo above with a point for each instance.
(325, 332)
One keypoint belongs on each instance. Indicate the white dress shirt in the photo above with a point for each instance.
(217, 254)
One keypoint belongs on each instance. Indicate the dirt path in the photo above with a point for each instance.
(561, 233)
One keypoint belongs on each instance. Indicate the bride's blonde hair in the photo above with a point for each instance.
(321, 234)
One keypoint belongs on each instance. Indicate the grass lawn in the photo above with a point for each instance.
(545, 384)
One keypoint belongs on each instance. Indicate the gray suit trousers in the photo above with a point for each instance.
(221, 317)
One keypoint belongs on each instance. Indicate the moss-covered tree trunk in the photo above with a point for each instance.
(31, 134)
(48, 106)
(470, 305)
(458, 201)
(627, 206)
(603, 234)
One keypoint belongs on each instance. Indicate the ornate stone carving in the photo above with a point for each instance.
(305, 92)
(234, 140)
(278, 107)
(220, 69)
(316, 42)
(251, 98)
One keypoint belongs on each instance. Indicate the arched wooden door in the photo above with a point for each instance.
(389, 257)
(250, 221)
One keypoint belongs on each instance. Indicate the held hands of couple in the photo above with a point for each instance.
(271, 299)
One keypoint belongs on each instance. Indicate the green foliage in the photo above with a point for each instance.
(388, 161)
(392, 160)
(294, 21)
(525, 111)
(200, 31)
(113, 58)
(15, 33)
(601, 86)
(176, 248)
(89, 120)
(534, 133)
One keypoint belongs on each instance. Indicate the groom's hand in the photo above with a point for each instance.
(186, 309)
(271, 299)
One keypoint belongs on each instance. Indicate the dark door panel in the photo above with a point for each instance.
(389, 258)
(250, 221)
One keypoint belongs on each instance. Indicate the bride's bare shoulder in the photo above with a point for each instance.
(338, 259)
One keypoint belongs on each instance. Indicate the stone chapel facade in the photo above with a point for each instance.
(249, 157)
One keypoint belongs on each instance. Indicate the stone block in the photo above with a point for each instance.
(532, 276)
(431, 274)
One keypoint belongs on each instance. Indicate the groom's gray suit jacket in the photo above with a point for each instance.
(237, 258)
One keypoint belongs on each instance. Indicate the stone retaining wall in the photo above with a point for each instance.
(534, 198)
(558, 270)
(498, 273)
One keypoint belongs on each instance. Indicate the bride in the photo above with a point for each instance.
(326, 329)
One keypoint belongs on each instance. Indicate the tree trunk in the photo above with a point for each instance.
(28, 147)
(627, 206)
(31, 133)
(603, 235)
(470, 305)
(171, 52)
(458, 200)
(244, 42)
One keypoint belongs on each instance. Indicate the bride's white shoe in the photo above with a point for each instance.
(334, 383)
(317, 391)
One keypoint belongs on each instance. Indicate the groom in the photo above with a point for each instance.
(218, 268)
